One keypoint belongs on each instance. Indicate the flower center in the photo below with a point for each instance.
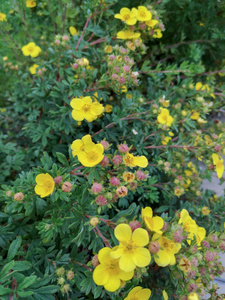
(129, 246)
(86, 107)
(143, 14)
(126, 17)
(92, 156)
(30, 49)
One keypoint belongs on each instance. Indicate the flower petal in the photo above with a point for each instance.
(140, 237)
(141, 257)
(100, 275)
(144, 294)
(112, 284)
(103, 255)
(123, 232)
(126, 263)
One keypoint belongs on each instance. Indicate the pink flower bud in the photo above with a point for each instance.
(140, 175)
(134, 225)
(19, 196)
(39, 72)
(205, 244)
(121, 191)
(115, 198)
(126, 68)
(95, 261)
(154, 247)
(213, 238)
(75, 66)
(209, 256)
(222, 246)
(217, 148)
(67, 187)
(121, 80)
(132, 27)
(96, 188)
(117, 160)
(58, 179)
(101, 200)
(112, 57)
(8, 193)
(142, 26)
(177, 236)
(115, 181)
(105, 161)
(65, 38)
(105, 145)
(165, 226)
(123, 148)
(116, 69)
(57, 42)
(114, 76)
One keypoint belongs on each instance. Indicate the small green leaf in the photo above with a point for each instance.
(14, 247)
(28, 281)
(62, 158)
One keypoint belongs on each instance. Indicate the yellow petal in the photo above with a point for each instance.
(123, 232)
(141, 257)
(140, 237)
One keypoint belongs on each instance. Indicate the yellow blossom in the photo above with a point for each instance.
(128, 177)
(92, 154)
(142, 14)
(164, 117)
(200, 87)
(123, 89)
(166, 103)
(133, 161)
(166, 255)
(178, 191)
(33, 68)
(85, 108)
(108, 108)
(108, 49)
(165, 295)
(31, 49)
(108, 272)
(153, 223)
(166, 140)
(201, 233)
(127, 16)
(73, 30)
(151, 23)
(5, 58)
(138, 293)
(218, 163)
(184, 264)
(131, 251)
(127, 35)
(195, 116)
(78, 145)
(193, 296)
(2, 110)
(157, 34)
(189, 225)
(3, 17)
(45, 185)
(30, 3)
(205, 210)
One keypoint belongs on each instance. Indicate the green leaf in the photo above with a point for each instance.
(62, 158)
(22, 265)
(50, 289)
(6, 269)
(28, 281)
(14, 247)
(4, 291)
(25, 294)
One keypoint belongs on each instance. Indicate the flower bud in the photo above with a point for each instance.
(105, 145)
(58, 179)
(123, 148)
(67, 187)
(115, 181)
(65, 38)
(8, 193)
(19, 196)
(101, 200)
(134, 225)
(70, 275)
(154, 247)
(105, 161)
(96, 188)
(117, 160)
(140, 175)
(94, 221)
(61, 280)
(64, 289)
(133, 186)
(60, 271)
(75, 66)
(217, 148)
(95, 261)
(57, 42)
(222, 245)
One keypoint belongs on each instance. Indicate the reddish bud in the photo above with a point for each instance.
(114, 181)
(105, 161)
(101, 200)
(96, 188)
(67, 187)
(134, 225)
(117, 160)
(105, 145)
(18, 196)
(58, 179)
(154, 247)
(123, 148)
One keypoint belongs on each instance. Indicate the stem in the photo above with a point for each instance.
(186, 43)
(105, 241)
(83, 265)
(64, 19)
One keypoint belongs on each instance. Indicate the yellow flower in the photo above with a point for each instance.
(164, 117)
(152, 223)
(193, 296)
(128, 177)
(142, 14)
(73, 30)
(78, 145)
(205, 210)
(2, 17)
(133, 161)
(31, 49)
(218, 163)
(131, 251)
(166, 103)
(138, 293)
(108, 108)
(129, 17)
(5, 58)
(151, 23)
(108, 49)
(124, 89)
(127, 35)
(200, 87)
(45, 185)
(157, 34)
(201, 233)
(185, 264)
(165, 295)
(201, 24)
(195, 116)
(92, 154)
(2, 110)
(189, 225)
(84, 108)
(108, 272)
(33, 68)
(166, 140)
(30, 3)
(166, 255)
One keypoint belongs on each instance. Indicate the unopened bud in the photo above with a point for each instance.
(105, 145)
(154, 247)
(95, 261)
(58, 179)
(94, 221)
(19, 196)
(65, 288)
(61, 280)
(70, 275)
(134, 225)
(67, 187)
